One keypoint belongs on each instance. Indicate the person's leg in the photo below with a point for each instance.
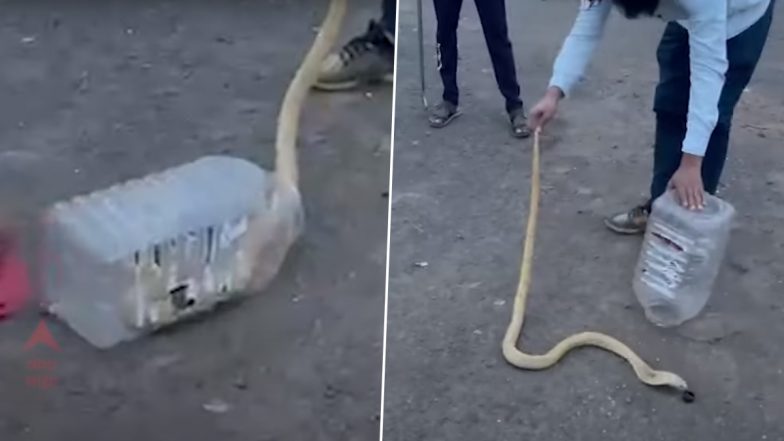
(671, 105)
(388, 17)
(447, 16)
(492, 14)
(367, 58)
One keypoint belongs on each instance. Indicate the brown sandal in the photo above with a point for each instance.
(443, 114)
(519, 124)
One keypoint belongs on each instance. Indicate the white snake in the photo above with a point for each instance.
(287, 172)
(307, 74)
(522, 360)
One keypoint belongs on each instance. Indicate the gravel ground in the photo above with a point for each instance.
(98, 92)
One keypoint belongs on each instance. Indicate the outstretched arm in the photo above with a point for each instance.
(579, 46)
(572, 60)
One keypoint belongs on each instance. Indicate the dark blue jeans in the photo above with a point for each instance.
(381, 32)
(492, 15)
(671, 103)
(388, 15)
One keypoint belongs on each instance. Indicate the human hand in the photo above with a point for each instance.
(687, 183)
(545, 109)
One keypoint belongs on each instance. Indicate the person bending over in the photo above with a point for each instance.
(707, 55)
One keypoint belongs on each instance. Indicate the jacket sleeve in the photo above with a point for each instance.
(707, 28)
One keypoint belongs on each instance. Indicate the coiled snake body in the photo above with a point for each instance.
(520, 359)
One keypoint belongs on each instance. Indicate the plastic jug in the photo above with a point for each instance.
(130, 259)
(680, 259)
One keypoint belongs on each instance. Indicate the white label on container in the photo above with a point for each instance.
(230, 232)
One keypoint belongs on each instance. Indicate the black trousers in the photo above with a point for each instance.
(492, 14)
(671, 103)
(388, 14)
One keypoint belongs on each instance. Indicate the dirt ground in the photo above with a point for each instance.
(460, 197)
(97, 92)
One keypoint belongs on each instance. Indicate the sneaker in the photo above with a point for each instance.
(367, 59)
(442, 114)
(632, 222)
(519, 124)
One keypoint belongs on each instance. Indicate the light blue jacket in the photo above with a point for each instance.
(710, 24)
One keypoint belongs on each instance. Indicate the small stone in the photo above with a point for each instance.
(240, 382)
(163, 361)
(216, 406)
(330, 392)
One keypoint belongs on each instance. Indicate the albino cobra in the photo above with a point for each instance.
(307, 74)
(520, 359)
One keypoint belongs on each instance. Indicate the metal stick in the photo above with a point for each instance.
(420, 33)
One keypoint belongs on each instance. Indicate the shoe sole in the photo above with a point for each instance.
(446, 122)
(624, 231)
(523, 135)
(351, 84)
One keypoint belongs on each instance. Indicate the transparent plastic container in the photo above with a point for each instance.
(680, 258)
(141, 255)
